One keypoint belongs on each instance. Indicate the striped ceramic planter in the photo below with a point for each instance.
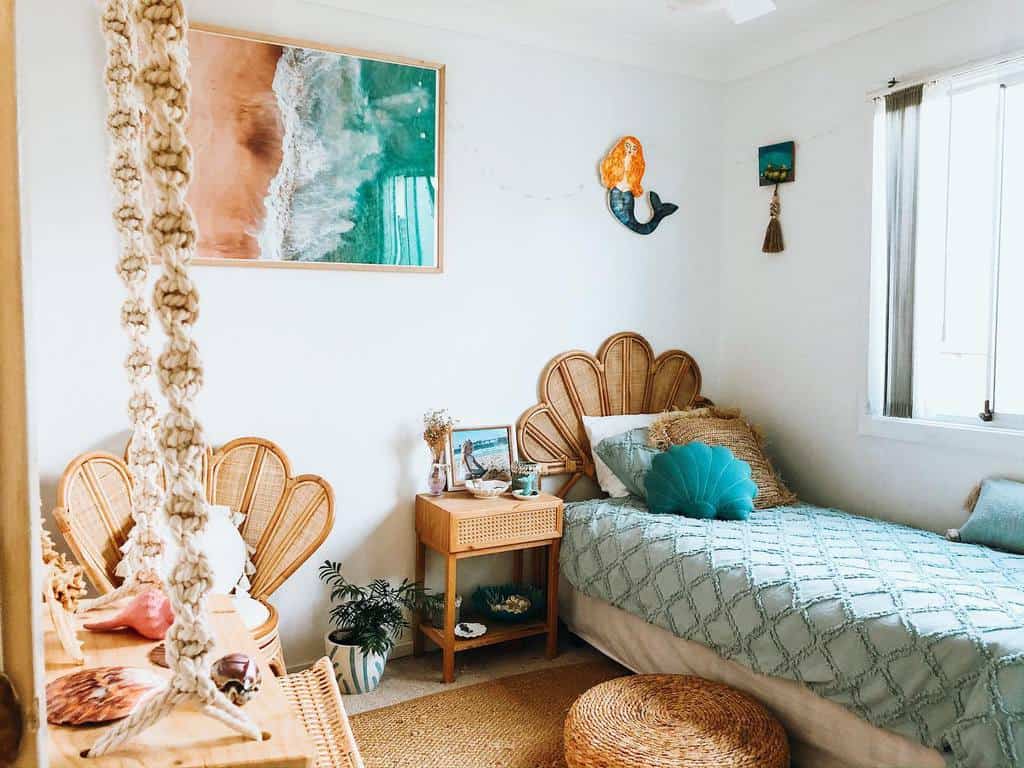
(355, 671)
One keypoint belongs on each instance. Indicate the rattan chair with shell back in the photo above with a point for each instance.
(287, 517)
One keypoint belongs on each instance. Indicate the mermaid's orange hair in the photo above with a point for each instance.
(613, 167)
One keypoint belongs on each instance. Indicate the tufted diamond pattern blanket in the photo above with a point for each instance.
(916, 634)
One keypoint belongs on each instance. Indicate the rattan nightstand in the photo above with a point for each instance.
(457, 526)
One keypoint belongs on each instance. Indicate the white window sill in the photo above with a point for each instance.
(979, 438)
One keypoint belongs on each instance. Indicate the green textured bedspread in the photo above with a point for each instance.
(914, 633)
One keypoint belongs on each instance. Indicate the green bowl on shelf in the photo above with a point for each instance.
(509, 602)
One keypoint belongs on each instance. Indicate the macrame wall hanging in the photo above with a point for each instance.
(775, 165)
(166, 231)
(143, 548)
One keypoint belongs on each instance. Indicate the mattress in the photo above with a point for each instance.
(903, 629)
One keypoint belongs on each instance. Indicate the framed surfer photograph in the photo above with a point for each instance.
(474, 452)
(307, 155)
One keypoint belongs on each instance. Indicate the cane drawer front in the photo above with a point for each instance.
(511, 526)
(456, 522)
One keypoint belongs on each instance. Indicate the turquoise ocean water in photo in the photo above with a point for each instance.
(358, 180)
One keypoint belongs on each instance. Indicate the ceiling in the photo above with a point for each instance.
(691, 37)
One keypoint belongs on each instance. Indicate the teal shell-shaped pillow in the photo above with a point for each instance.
(699, 481)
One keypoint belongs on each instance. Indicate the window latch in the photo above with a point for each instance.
(988, 413)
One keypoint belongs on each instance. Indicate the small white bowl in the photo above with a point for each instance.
(487, 489)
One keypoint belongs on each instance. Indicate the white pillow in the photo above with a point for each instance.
(600, 427)
(252, 611)
(223, 544)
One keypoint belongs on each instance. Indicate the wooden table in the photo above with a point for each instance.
(458, 526)
(185, 737)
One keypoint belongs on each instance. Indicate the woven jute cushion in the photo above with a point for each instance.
(671, 721)
(719, 426)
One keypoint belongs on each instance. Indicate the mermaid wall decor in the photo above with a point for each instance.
(622, 172)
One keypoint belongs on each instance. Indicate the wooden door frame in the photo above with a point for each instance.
(20, 559)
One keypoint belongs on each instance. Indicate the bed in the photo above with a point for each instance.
(876, 644)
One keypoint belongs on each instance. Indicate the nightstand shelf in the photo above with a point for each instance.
(497, 632)
(457, 526)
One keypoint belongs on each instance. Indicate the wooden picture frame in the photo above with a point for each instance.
(486, 459)
(437, 194)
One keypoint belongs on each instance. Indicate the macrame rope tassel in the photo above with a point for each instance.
(163, 81)
(773, 236)
(143, 549)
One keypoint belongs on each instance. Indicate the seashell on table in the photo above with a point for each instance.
(99, 695)
(237, 676)
(150, 614)
(158, 655)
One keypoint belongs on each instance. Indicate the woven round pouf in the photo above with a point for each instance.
(671, 721)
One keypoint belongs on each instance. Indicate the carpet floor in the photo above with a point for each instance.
(513, 722)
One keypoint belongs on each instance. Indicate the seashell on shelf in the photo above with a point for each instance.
(237, 676)
(99, 695)
(149, 614)
(514, 604)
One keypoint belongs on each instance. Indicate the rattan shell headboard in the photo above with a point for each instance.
(624, 377)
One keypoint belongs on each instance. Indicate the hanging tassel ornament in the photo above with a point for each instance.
(773, 236)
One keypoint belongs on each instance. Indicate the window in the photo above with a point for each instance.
(948, 242)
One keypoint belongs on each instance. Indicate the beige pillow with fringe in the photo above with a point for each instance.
(724, 426)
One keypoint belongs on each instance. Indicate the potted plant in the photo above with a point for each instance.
(367, 622)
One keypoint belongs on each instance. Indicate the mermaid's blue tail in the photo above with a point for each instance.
(623, 206)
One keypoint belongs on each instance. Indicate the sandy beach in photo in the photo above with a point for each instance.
(236, 132)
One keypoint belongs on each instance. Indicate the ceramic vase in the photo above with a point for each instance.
(355, 671)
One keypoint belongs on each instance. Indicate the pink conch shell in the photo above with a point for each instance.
(99, 695)
(149, 614)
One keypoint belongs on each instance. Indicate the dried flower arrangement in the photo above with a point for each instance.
(437, 426)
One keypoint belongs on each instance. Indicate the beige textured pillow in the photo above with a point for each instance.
(720, 426)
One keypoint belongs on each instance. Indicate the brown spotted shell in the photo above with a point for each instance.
(99, 695)
(237, 676)
(158, 655)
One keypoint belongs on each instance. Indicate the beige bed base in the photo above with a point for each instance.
(624, 377)
(822, 734)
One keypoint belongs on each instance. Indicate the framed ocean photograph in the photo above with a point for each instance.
(307, 155)
(475, 451)
(776, 163)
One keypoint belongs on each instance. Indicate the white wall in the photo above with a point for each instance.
(338, 367)
(794, 325)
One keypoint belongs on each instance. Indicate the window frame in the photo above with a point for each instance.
(1006, 430)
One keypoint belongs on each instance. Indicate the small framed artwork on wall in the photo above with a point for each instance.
(474, 452)
(776, 163)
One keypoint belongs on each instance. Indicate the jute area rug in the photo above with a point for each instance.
(513, 722)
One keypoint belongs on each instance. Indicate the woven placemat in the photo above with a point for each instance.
(513, 722)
